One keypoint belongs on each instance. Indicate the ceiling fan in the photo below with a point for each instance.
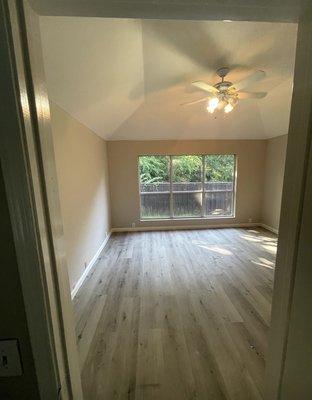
(224, 94)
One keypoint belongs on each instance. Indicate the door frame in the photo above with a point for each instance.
(28, 154)
(294, 201)
(27, 159)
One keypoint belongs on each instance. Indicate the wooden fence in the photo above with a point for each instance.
(187, 199)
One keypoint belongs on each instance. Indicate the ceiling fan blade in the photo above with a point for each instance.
(251, 95)
(204, 86)
(257, 76)
(189, 103)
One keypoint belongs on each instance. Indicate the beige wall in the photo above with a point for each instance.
(81, 162)
(273, 180)
(123, 155)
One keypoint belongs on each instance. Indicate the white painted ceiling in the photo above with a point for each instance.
(125, 78)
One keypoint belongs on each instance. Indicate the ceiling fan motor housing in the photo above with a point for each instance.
(223, 71)
(223, 86)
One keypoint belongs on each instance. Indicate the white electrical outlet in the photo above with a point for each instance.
(133, 224)
(10, 361)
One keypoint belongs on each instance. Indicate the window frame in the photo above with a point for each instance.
(203, 191)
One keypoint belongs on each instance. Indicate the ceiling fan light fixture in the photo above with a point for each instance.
(213, 102)
(228, 108)
(211, 110)
(225, 95)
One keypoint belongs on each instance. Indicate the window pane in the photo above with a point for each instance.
(187, 204)
(186, 173)
(219, 203)
(154, 186)
(219, 167)
(219, 184)
(155, 205)
(154, 173)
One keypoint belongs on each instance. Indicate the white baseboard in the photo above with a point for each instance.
(90, 266)
(269, 228)
(179, 227)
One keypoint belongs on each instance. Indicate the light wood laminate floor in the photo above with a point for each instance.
(177, 315)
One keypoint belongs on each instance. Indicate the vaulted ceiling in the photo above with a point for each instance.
(125, 78)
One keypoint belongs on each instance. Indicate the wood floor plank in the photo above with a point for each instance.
(177, 315)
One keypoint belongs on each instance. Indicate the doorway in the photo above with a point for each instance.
(295, 204)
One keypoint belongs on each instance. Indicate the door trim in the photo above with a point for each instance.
(27, 158)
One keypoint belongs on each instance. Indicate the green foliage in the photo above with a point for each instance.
(155, 169)
(187, 169)
(219, 167)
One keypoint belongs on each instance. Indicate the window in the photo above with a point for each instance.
(187, 186)
(155, 186)
(219, 185)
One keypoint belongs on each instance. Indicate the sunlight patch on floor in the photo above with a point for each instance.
(270, 247)
(216, 249)
(262, 264)
(252, 231)
(265, 261)
(251, 238)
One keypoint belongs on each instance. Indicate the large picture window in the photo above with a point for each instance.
(187, 186)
